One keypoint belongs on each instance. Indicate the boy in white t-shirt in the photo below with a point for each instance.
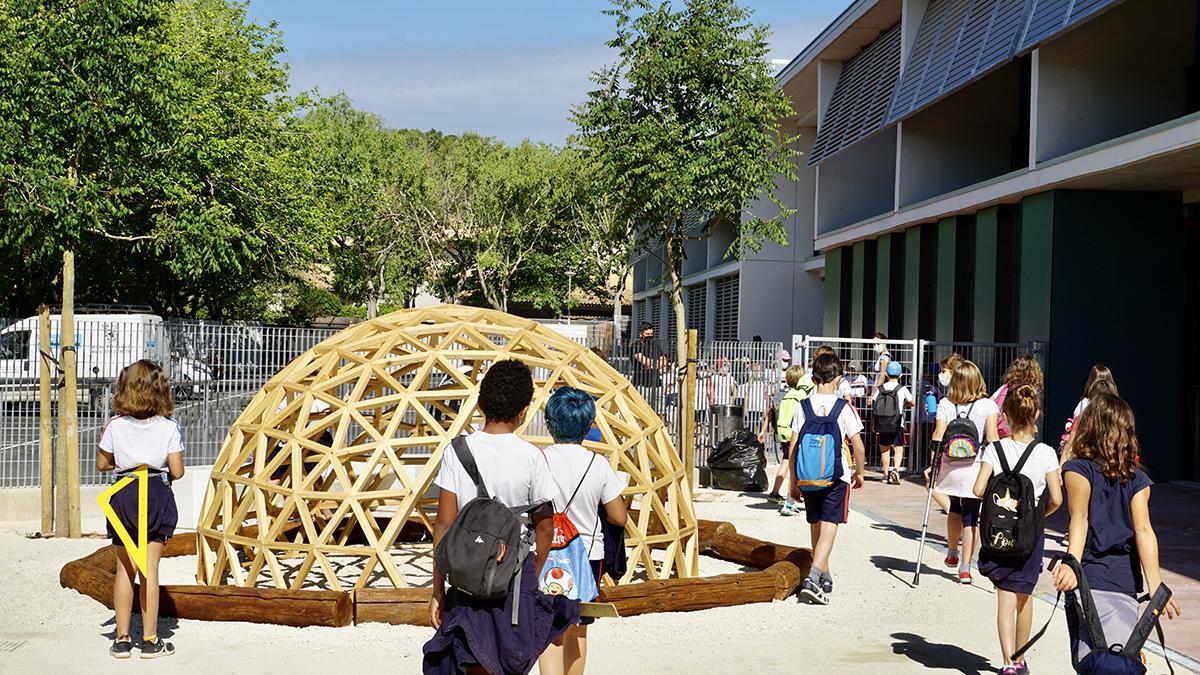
(827, 508)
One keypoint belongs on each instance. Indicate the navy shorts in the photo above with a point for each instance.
(1015, 575)
(890, 437)
(968, 508)
(828, 505)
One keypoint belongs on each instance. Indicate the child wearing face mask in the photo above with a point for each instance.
(947, 365)
(882, 358)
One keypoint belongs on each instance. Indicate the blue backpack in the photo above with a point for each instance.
(819, 450)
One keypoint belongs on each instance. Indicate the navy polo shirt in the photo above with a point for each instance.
(1110, 558)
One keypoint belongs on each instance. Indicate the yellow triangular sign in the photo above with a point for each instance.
(137, 552)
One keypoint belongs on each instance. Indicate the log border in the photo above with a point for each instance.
(778, 571)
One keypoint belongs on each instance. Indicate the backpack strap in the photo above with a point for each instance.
(836, 411)
(1151, 618)
(1024, 456)
(467, 460)
(806, 406)
(581, 478)
(1003, 460)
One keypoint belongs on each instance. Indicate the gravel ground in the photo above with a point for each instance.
(876, 623)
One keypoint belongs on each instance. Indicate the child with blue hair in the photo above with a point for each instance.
(586, 480)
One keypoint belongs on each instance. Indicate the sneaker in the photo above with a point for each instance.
(1022, 668)
(121, 648)
(827, 585)
(894, 477)
(157, 649)
(811, 593)
(1010, 670)
(789, 510)
(775, 498)
(965, 578)
(950, 561)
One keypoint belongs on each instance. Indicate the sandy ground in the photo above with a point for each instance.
(877, 623)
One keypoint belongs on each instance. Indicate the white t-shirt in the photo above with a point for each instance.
(843, 388)
(134, 442)
(512, 469)
(957, 479)
(903, 394)
(848, 421)
(1041, 461)
(722, 388)
(756, 395)
(600, 485)
(1080, 407)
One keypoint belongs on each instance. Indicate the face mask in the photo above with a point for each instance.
(944, 379)
(879, 347)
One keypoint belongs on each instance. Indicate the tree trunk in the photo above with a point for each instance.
(372, 300)
(674, 246)
(616, 298)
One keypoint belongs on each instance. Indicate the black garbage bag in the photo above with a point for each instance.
(739, 463)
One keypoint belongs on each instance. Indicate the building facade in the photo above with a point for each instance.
(995, 171)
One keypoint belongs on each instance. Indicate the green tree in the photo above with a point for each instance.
(369, 183)
(146, 137)
(688, 117)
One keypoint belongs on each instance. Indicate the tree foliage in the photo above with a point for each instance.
(688, 118)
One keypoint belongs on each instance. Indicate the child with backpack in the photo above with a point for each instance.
(821, 426)
(1023, 370)
(966, 420)
(1108, 495)
(586, 481)
(493, 618)
(1100, 381)
(1013, 473)
(784, 413)
(888, 403)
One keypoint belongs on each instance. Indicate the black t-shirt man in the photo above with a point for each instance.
(648, 360)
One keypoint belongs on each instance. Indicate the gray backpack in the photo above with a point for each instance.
(484, 549)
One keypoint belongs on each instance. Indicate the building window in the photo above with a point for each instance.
(726, 323)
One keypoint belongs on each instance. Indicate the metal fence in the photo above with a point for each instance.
(919, 369)
(214, 370)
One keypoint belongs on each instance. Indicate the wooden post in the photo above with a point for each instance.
(687, 406)
(67, 470)
(45, 421)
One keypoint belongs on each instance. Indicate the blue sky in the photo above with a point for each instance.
(506, 69)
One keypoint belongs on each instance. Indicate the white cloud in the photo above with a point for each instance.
(511, 94)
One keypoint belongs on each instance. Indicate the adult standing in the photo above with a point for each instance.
(882, 358)
(649, 364)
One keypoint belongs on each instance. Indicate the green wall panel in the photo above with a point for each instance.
(912, 282)
(1037, 253)
(947, 229)
(833, 290)
(883, 280)
(858, 288)
(986, 235)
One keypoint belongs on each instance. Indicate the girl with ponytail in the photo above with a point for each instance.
(1016, 577)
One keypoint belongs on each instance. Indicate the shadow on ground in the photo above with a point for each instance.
(903, 570)
(940, 656)
(166, 627)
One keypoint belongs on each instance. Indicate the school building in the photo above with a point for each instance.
(994, 171)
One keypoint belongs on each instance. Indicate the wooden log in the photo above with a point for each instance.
(708, 530)
(689, 595)
(753, 552)
(408, 606)
(94, 576)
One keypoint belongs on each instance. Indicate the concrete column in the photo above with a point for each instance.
(947, 231)
(986, 241)
(883, 281)
(833, 290)
(912, 282)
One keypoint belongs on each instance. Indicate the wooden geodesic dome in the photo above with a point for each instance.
(326, 474)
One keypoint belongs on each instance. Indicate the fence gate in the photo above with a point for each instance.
(860, 362)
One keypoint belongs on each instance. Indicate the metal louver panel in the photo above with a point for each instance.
(726, 324)
(958, 41)
(656, 314)
(697, 303)
(1050, 18)
(860, 98)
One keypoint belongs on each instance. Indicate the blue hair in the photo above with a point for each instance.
(569, 414)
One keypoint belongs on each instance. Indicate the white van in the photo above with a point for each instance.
(104, 344)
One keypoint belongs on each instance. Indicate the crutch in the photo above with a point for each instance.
(933, 476)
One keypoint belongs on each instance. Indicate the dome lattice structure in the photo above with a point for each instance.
(334, 458)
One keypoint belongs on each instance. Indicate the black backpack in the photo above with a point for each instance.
(484, 549)
(886, 410)
(1011, 521)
